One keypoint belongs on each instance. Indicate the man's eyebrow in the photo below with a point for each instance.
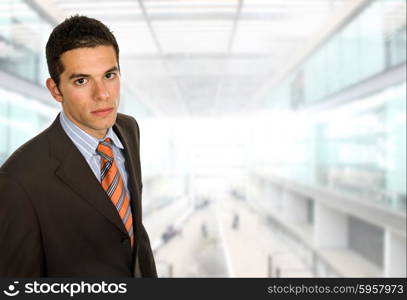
(113, 69)
(76, 75)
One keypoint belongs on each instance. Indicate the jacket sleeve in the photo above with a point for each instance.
(21, 253)
(147, 263)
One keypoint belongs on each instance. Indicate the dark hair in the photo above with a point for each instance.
(76, 32)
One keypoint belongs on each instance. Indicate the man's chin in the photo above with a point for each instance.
(105, 121)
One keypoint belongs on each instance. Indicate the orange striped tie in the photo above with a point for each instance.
(113, 184)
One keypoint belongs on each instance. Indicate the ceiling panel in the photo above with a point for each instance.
(200, 57)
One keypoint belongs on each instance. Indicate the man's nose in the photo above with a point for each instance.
(100, 91)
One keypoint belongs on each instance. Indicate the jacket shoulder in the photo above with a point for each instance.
(129, 123)
(126, 119)
(28, 155)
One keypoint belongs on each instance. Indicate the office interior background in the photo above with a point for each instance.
(273, 132)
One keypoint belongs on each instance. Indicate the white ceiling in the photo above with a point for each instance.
(204, 57)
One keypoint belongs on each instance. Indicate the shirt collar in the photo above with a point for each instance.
(89, 141)
(113, 136)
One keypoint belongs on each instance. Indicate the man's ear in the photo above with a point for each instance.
(54, 90)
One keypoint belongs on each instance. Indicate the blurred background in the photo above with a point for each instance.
(273, 132)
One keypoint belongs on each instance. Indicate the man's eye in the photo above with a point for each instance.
(81, 81)
(110, 75)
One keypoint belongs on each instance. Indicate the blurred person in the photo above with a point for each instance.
(204, 230)
(70, 201)
(235, 222)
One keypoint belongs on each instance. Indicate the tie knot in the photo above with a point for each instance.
(104, 149)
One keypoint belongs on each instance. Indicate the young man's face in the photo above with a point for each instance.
(89, 88)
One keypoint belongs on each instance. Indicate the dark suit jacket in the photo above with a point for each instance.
(56, 219)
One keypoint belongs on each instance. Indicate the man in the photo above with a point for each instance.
(70, 198)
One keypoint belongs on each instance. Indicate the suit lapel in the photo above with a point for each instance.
(130, 143)
(75, 172)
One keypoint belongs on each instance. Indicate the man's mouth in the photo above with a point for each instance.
(102, 112)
